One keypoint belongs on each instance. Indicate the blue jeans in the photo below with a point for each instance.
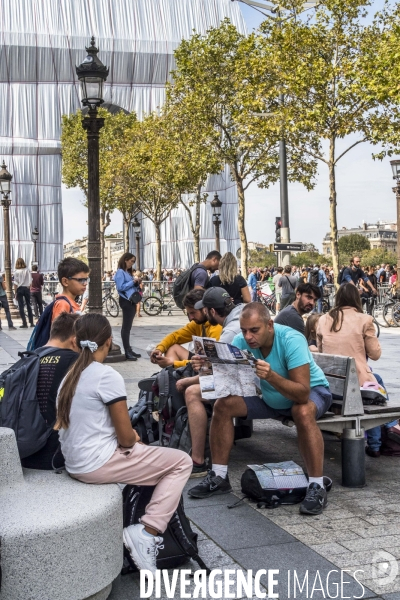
(374, 434)
(254, 295)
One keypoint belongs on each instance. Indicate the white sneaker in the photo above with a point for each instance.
(142, 547)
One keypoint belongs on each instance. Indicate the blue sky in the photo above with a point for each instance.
(364, 193)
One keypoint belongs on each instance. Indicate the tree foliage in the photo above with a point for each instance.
(353, 244)
(334, 76)
(217, 87)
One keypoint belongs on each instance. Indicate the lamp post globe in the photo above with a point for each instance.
(92, 74)
(217, 211)
(136, 229)
(395, 164)
(5, 181)
(5, 190)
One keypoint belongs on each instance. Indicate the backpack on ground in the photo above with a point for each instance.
(272, 497)
(314, 277)
(182, 284)
(41, 333)
(19, 406)
(179, 540)
(180, 436)
(390, 445)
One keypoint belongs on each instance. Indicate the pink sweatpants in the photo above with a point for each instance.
(166, 468)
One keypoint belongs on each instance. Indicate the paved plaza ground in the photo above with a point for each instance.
(359, 529)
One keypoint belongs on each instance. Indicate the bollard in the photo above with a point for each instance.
(353, 458)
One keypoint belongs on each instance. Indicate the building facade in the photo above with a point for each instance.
(42, 41)
(382, 234)
(113, 250)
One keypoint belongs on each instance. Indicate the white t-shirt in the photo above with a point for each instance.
(91, 440)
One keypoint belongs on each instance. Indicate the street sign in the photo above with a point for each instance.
(290, 247)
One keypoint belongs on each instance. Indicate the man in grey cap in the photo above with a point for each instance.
(220, 310)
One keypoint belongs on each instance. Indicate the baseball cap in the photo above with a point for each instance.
(214, 297)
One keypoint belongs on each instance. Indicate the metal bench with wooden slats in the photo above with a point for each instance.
(354, 418)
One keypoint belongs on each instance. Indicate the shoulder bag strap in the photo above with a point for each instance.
(292, 286)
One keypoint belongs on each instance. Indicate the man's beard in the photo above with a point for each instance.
(212, 320)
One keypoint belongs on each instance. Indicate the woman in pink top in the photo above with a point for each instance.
(347, 331)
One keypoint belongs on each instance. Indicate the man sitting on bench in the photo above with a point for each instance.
(170, 351)
(292, 386)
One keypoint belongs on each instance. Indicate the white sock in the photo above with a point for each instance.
(319, 480)
(221, 470)
(147, 533)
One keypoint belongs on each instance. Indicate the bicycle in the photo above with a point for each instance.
(269, 300)
(153, 305)
(391, 311)
(368, 306)
(110, 304)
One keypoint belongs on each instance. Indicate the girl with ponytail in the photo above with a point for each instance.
(100, 446)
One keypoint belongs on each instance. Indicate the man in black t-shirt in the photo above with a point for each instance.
(53, 368)
(307, 295)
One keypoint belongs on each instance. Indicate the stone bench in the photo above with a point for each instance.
(60, 539)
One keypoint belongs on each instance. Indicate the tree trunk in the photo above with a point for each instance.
(127, 222)
(196, 232)
(241, 227)
(158, 250)
(332, 209)
(105, 221)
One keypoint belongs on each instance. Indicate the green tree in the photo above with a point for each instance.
(352, 244)
(74, 159)
(333, 72)
(378, 256)
(217, 87)
(309, 258)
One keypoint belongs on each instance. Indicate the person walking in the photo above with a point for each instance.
(100, 446)
(277, 288)
(288, 284)
(252, 283)
(22, 282)
(4, 302)
(36, 291)
(129, 296)
(229, 279)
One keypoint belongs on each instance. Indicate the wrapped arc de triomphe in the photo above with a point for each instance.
(41, 41)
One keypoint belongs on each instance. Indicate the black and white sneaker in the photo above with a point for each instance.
(212, 485)
(315, 501)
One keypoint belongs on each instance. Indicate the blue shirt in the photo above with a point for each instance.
(353, 275)
(289, 351)
(252, 281)
(125, 284)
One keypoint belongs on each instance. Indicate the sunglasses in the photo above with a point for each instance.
(81, 280)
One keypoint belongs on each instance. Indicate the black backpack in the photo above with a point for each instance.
(314, 277)
(19, 406)
(41, 334)
(179, 540)
(158, 394)
(182, 284)
(271, 498)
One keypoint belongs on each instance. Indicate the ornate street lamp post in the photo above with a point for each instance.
(395, 164)
(136, 229)
(5, 189)
(92, 74)
(216, 206)
(35, 236)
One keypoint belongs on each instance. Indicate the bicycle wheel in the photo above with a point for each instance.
(152, 306)
(387, 315)
(272, 307)
(377, 328)
(112, 308)
(377, 313)
(396, 313)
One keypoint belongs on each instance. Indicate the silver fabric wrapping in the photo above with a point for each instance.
(41, 41)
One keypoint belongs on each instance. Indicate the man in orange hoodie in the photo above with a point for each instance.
(170, 351)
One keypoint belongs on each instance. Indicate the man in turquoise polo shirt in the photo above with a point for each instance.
(292, 386)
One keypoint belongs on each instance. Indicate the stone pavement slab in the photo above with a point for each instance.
(355, 525)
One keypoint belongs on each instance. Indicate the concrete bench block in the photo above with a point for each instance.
(60, 539)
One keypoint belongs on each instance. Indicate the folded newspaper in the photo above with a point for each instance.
(283, 476)
(227, 371)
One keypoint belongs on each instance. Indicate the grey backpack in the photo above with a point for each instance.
(19, 406)
(182, 284)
